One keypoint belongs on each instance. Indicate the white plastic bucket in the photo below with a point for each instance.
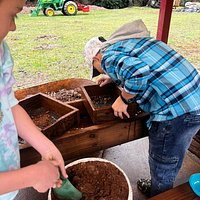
(130, 192)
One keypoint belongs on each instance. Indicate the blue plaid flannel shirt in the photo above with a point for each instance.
(166, 84)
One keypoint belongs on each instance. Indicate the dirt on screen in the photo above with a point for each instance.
(43, 117)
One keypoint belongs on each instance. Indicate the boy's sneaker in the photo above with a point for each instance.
(144, 185)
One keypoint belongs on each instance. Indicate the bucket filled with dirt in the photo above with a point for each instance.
(97, 179)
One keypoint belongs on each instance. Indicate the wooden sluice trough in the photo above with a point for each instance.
(88, 135)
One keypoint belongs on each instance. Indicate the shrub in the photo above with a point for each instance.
(140, 2)
(112, 4)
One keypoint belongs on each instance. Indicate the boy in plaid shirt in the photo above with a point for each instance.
(163, 83)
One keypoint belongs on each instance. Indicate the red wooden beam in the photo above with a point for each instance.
(164, 20)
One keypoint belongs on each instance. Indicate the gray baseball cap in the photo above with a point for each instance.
(92, 47)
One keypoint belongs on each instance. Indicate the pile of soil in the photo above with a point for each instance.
(65, 95)
(101, 101)
(98, 181)
(43, 117)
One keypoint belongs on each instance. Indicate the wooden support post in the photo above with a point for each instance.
(164, 20)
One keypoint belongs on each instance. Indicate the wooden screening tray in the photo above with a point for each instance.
(102, 111)
(52, 117)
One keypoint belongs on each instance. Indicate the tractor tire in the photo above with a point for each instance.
(49, 12)
(70, 8)
(44, 11)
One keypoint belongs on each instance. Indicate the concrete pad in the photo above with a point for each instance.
(132, 157)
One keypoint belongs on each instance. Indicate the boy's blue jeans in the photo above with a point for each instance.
(168, 143)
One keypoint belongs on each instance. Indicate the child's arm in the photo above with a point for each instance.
(31, 134)
(132, 71)
(40, 176)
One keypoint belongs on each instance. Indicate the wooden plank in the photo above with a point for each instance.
(139, 128)
(164, 20)
(80, 142)
(182, 192)
(195, 148)
(195, 145)
(197, 137)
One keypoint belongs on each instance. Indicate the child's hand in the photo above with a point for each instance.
(53, 154)
(105, 79)
(119, 108)
(46, 175)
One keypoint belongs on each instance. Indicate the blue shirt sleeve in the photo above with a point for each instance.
(130, 70)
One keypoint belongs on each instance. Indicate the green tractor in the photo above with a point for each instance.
(66, 6)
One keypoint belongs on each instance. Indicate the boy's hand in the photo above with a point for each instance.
(119, 108)
(105, 79)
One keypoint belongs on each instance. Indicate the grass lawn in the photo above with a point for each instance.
(51, 48)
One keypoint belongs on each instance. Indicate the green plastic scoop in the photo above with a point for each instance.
(67, 191)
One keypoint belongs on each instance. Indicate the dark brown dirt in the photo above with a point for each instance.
(43, 118)
(101, 101)
(65, 95)
(98, 181)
